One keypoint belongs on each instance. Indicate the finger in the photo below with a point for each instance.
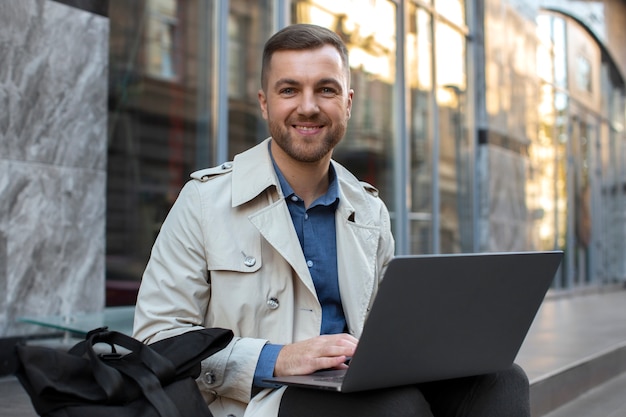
(331, 363)
(335, 351)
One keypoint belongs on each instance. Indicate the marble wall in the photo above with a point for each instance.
(53, 147)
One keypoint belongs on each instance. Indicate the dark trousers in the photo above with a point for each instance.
(504, 394)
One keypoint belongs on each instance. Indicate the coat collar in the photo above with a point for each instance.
(253, 173)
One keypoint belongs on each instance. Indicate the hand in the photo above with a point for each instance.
(320, 352)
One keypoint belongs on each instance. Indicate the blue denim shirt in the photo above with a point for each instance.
(315, 228)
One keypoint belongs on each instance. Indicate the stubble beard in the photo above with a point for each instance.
(306, 149)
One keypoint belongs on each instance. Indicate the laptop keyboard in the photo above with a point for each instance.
(334, 378)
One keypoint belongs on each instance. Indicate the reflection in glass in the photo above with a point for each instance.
(162, 31)
(613, 189)
(560, 144)
(162, 109)
(583, 73)
(543, 195)
(453, 10)
(545, 59)
(419, 80)
(249, 26)
(455, 150)
(156, 90)
(580, 142)
(560, 59)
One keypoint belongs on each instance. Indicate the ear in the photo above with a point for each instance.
(349, 107)
(262, 103)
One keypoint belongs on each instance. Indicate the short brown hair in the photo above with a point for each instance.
(299, 37)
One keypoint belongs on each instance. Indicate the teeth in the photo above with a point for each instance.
(307, 127)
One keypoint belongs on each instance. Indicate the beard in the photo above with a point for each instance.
(307, 149)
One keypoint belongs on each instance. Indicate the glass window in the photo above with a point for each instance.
(159, 120)
(455, 150)
(237, 28)
(369, 30)
(582, 69)
(542, 193)
(561, 105)
(545, 48)
(453, 10)
(560, 52)
(419, 79)
(546, 184)
(579, 207)
(250, 25)
(162, 31)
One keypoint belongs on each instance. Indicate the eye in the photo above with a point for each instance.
(328, 91)
(287, 91)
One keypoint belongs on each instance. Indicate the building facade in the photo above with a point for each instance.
(487, 125)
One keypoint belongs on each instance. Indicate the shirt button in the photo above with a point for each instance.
(306, 216)
(273, 303)
(309, 264)
(209, 377)
(294, 198)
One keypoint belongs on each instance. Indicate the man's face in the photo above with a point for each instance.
(307, 102)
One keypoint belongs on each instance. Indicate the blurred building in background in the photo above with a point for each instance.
(487, 125)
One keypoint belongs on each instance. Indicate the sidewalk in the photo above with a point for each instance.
(577, 344)
(570, 329)
(574, 342)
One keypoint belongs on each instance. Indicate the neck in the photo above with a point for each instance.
(309, 180)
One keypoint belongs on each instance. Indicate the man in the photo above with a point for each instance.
(286, 248)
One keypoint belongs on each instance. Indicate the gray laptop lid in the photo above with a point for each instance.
(446, 316)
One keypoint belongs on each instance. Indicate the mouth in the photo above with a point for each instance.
(307, 128)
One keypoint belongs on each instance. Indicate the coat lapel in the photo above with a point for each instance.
(357, 232)
(358, 236)
(275, 225)
(253, 173)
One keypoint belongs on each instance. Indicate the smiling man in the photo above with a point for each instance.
(287, 248)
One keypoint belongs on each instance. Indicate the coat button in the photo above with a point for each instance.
(249, 261)
(227, 165)
(273, 303)
(209, 377)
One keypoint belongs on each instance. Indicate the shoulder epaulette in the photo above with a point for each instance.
(206, 174)
(369, 188)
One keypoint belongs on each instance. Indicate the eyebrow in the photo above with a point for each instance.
(287, 81)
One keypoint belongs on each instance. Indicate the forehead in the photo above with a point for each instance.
(323, 62)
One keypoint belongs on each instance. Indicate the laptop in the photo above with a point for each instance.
(443, 316)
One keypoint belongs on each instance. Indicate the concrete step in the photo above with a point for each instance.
(590, 377)
(605, 400)
(15, 402)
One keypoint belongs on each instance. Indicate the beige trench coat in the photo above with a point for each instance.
(228, 256)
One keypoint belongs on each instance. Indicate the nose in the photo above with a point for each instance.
(308, 104)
